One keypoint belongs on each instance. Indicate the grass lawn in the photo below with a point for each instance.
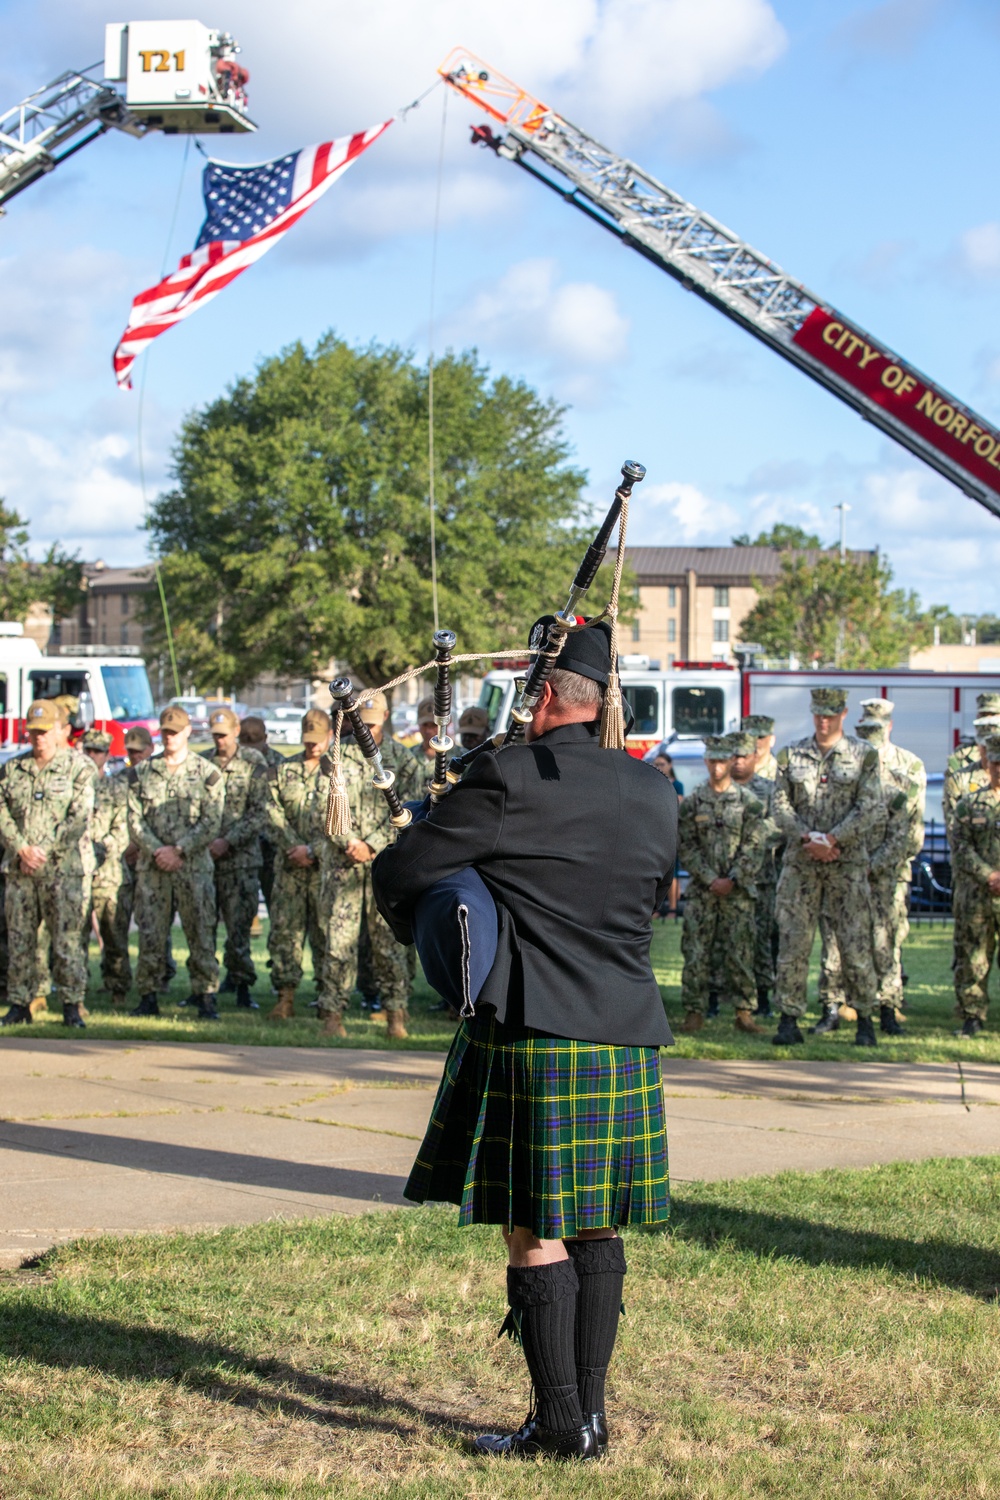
(930, 1001)
(807, 1335)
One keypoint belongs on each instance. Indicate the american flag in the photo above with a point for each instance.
(247, 210)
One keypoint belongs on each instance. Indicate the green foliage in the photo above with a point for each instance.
(836, 613)
(55, 581)
(954, 629)
(782, 537)
(298, 529)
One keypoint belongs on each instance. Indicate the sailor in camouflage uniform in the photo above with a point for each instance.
(110, 837)
(894, 833)
(975, 844)
(46, 806)
(828, 793)
(236, 851)
(175, 812)
(758, 772)
(722, 835)
(253, 736)
(966, 769)
(349, 897)
(299, 789)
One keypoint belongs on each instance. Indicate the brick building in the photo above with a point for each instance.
(108, 613)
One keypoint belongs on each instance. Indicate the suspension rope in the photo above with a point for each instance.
(430, 361)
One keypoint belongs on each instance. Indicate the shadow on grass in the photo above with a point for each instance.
(964, 1267)
(216, 1372)
(176, 1160)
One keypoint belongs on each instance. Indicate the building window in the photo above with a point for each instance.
(720, 630)
(672, 597)
(124, 629)
(635, 630)
(722, 602)
(671, 629)
(124, 605)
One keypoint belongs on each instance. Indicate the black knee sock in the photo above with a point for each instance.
(544, 1302)
(600, 1266)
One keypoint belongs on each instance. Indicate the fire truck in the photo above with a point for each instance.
(678, 707)
(113, 691)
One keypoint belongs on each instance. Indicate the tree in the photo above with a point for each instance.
(837, 613)
(782, 537)
(956, 630)
(298, 529)
(55, 581)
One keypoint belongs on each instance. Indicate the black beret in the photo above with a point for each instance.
(586, 651)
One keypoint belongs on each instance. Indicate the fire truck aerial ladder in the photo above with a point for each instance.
(709, 259)
(180, 77)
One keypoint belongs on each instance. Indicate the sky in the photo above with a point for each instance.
(850, 144)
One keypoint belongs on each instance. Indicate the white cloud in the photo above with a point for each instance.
(51, 303)
(978, 251)
(679, 514)
(575, 328)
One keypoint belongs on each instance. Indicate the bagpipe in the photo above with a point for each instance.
(454, 923)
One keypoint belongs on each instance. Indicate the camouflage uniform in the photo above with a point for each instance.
(765, 937)
(111, 838)
(237, 874)
(348, 886)
(50, 806)
(890, 838)
(272, 759)
(297, 815)
(182, 806)
(720, 834)
(975, 836)
(839, 793)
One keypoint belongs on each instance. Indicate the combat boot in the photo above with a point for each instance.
(206, 1009)
(830, 1022)
(332, 1024)
(18, 1015)
(117, 1001)
(888, 1021)
(148, 1006)
(395, 1028)
(244, 999)
(71, 1015)
(971, 1026)
(865, 1034)
(744, 1021)
(693, 1021)
(285, 1008)
(38, 1006)
(788, 1033)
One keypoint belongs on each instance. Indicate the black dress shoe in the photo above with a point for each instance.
(71, 1016)
(18, 1015)
(598, 1424)
(865, 1035)
(148, 1006)
(971, 1026)
(887, 1021)
(244, 999)
(829, 1022)
(531, 1440)
(788, 1033)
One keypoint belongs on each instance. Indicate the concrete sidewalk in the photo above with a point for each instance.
(99, 1137)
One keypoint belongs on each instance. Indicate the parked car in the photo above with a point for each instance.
(283, 722)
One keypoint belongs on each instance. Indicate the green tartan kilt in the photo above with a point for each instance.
(545, 1133)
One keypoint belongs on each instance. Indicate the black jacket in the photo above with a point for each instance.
(577, 847)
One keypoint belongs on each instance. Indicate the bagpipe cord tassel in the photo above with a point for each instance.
(338, 808)
(612, 714)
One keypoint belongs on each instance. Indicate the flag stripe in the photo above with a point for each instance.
(211, 266)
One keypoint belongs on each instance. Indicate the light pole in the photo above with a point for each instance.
(843, 507)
